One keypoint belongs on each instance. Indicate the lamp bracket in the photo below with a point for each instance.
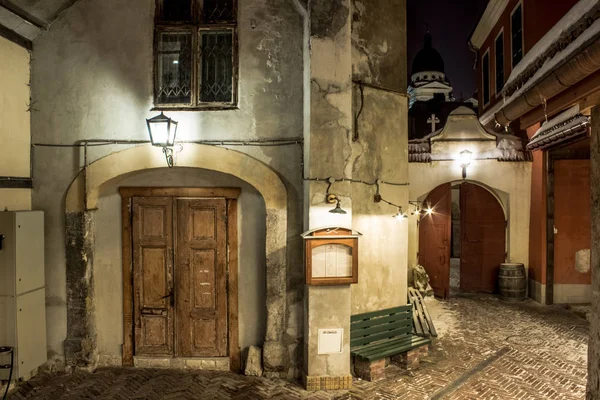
(331, 198)
(168, 155)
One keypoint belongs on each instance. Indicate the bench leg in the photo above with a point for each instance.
(369, 370)
(410, 359)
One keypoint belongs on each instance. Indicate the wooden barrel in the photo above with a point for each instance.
(512, 282)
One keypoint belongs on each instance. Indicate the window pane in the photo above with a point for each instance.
(499, 63)
(486, 78)
(174, 68)
(217, 11)
(176, 10)
(517, 35)
(216, 66)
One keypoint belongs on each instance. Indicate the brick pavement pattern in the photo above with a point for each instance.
(487, 349)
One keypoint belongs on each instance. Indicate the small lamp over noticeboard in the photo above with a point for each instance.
(331, 256)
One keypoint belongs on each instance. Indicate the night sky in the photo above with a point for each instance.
(450, 23)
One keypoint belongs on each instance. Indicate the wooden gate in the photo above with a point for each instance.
(434, 239)
(483, 244)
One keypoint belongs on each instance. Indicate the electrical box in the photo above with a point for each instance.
(22, 291)
(331, 256)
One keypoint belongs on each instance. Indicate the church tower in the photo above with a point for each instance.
(430, 93)
(428, 79)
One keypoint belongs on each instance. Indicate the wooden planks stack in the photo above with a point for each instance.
(422, 323)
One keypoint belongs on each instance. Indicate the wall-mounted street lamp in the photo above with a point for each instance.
(400, 215)
(333, 198)
(465, 161)
(162, 131)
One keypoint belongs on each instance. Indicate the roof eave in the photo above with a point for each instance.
(582, 64)
(488, 21)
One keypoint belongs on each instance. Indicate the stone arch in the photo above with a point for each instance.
(494, 192)
(501, 198)
(81, 201)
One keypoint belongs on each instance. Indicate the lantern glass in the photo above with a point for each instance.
(465, 157)
(162, 130)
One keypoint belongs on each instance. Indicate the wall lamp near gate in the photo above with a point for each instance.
(162, 131)
(465, 161)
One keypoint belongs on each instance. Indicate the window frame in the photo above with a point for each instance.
(512, 60)
(501, 32)
(195, 27)
(486, 53)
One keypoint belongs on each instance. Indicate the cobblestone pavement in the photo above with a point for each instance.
(487, 349)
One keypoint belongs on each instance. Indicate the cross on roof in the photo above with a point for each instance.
(433, 120)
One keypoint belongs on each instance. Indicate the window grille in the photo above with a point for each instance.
(195, 54)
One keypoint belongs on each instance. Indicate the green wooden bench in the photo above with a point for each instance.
(380, 334)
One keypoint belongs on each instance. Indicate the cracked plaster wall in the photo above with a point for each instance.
(92, 78)
(381, 152)
(379, 43)
(361, 49)
(329, 147)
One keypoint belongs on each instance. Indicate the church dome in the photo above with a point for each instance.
(428, 58)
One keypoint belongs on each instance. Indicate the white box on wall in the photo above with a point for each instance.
(22, 291)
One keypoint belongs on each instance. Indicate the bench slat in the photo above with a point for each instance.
(379, 336)
(416, 341)
(403, 343)
(382, 328)
(399, 341)
(380, 313)
(379, 321)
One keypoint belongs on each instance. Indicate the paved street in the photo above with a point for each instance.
(487, 349)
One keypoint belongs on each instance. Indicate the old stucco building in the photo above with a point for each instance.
(313, 91)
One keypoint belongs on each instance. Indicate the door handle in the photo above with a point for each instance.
(171, 296)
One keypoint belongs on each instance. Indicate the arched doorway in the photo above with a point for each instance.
(81, 204)
(470, 246)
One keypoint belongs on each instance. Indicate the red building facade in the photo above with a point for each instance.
(538, 77)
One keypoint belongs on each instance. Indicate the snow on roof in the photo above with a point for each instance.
(488, 116)
(567, 130)
(566, 125)
(560, 118)
(508, 146)
(590, 34)
(549, 40)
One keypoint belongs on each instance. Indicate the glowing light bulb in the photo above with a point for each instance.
(400, 215)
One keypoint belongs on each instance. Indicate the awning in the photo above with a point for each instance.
(566, 126)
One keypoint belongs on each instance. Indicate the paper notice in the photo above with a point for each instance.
(331, 261)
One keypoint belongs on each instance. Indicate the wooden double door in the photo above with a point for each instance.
(179, 251)
(482, 238)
